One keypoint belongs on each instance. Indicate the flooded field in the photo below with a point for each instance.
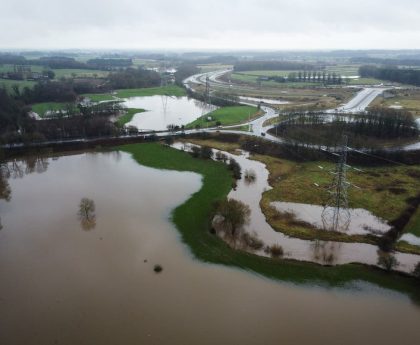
(362, 222)
(62, 283)
(166, 110)
(322, 252)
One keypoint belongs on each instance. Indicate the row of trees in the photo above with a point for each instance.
(377, 122)
(64, 62)
(315, 77)
(394, 74)
(24, 72)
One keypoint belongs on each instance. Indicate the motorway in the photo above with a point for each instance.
(357, 104)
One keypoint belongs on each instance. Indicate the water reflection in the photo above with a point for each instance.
(326, 252)
(19, 167)
(163, 111)
(87, 214)
(5, 190)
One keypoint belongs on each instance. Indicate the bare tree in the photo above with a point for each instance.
(87, 213)
(234, 216)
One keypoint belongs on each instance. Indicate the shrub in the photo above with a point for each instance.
(252, 241)
(387, 261)
(276, 251)
(236, 169)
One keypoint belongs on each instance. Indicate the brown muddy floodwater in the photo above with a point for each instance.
(62, 284)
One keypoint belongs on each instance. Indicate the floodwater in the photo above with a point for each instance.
(63, 284)
(322, 252)
(165, 110)
(362, 222)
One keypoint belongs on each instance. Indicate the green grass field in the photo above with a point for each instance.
(42, 108)
(226, 116)
(8, 84)
(99, 97)
(81, 73)
(60, 73)
(344, 70)
(128, 116)
(193, 222)
(212, 67)
(272, 73)
(252, 79)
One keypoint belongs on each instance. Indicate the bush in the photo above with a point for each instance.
(206, 152)
(220, 156)
(387, 261)
(236, 168)
(158, 268)
(252, 241)
(275, 251)
(250, 176)
(169, 140)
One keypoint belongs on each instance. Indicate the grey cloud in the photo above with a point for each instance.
(216, 23)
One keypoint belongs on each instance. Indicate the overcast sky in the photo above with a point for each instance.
(210, 24)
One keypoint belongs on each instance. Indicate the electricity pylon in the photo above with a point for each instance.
(336, 214)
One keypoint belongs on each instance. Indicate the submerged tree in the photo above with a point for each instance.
(250, 176)
(234, 216)
(87, 213)
(387, 261)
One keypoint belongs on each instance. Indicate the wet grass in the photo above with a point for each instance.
(226, 116)
(193, 222)
(128, 116)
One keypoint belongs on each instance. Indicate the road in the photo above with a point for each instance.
(361, 101)
(357, 104)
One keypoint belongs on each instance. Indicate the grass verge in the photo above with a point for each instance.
(193, 222)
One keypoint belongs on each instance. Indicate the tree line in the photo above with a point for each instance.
(64, 62)
(272, 65)
(364, 130)
(391, 73)
(386, 62)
